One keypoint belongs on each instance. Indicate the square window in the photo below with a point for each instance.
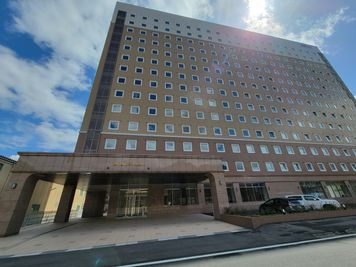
(277, 150)
(136, 95)
(264, 149)
(231, 131)
(153, 84)
(131, 144)
(272, 135)
(269, 166)
(245, 133)
(169, 145)
(151, 145)
(225, 166)
(134, 110)
(202, 130)
(228, 117)
(168, 86)
(152, 111)
(139, 70)
(117, 108)
(204, 147)
(199, 115)
(151, 127)
(220, 148)
(133, 126)
(168, 112)
(321, 167)
(185, 129)
(198, 101)
(239, 166)
(110, 144)
(187, 146)
(184, 113)
(235, 148)
(183, 100)
(137, 82)
(259, 134)
(283, 166)
(250, 149)
(168, 98)
(123, 68)
(152, 97)
(114, 125)
(296, 166)
(169, 128)
(217, 131)
(255, 166)
(121, 80)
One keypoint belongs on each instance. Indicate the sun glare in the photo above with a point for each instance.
(256, 7)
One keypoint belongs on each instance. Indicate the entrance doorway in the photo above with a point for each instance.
(132, 202)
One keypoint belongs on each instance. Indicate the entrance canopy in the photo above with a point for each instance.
(91, 172)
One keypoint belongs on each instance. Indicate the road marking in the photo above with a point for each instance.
(75, 249)
(168, 238)
(25, 255)
(240, 251)
(126, 244)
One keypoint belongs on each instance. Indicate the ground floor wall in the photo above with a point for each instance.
(250, 192)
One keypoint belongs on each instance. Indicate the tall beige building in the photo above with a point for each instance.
(189, 116)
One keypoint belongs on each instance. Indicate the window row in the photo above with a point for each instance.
(297, 167)
(235, 148)
(216, 131)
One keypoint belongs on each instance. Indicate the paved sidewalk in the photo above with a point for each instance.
(97, 232)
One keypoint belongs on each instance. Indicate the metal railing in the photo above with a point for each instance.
(41, 217)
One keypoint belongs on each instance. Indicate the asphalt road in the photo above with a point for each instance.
(339, 253)
(184, 247)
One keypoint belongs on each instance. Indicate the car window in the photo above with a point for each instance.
(310, 198)
(295, 197)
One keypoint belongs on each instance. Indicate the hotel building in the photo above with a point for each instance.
(188, 116)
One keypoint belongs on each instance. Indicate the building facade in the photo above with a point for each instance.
(274, 111)
(190, 116)
(6, 166)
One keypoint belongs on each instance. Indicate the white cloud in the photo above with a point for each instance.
(321, 29)
(75, 30)
(56, 138)
(261, 18)
(14, 157)
(41, 89)
(201, 9)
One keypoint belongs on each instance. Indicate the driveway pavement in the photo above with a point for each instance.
(154, 252)
(96, 232)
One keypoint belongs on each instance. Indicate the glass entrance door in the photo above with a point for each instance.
(132, 202)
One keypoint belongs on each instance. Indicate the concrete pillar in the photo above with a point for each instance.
(113, 208)
(237, 192)
(349, 187)
(94, 204)
(155, 199)
(66, 201)
(14, 200)
(218, 193)
(326, 191)
(201, 195)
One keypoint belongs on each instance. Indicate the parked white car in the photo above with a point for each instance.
(313, 202)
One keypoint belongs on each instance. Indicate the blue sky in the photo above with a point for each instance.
(49, 50)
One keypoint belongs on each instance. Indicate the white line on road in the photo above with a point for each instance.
(239, 251)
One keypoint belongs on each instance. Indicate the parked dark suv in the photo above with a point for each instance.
(278, 205)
